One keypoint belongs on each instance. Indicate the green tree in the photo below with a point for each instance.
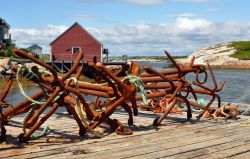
(8, 51)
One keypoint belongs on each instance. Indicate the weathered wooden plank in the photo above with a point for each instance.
(162, 128)
(233, 151)
(151, 145)
(141, 132)
(170, 151)
(208, 152)
(102, 146)
(244, 155)
(173, 127)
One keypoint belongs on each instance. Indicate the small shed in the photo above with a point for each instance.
(36, 49)
(75, 38)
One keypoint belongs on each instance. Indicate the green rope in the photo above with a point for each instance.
(27, 73)
(201, 101)
(43, 70)
(139, 86)
(34, 136)
(28, 114)
(45, 132)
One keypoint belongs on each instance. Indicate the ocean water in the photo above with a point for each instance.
(236, 90)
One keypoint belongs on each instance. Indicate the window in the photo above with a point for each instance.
(75, 49)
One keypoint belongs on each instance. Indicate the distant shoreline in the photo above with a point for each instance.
(215, 67)
(230, 67)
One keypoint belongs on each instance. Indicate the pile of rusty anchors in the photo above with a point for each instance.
(58, 91)
(173, 83)
(169, 84)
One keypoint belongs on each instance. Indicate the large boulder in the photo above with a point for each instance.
(215, 55)
(4, 64)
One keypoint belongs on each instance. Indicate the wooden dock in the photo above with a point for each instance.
(176, 138)
(65, 66)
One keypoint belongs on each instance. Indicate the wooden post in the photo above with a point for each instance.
(62, 69)
(52, 62)
(71, 60)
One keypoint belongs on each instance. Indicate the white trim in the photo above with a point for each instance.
(50, 55)
(72, 49)
(101, 53)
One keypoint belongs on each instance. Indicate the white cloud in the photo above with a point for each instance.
(191, 24)
(181, 37)
(41, 36)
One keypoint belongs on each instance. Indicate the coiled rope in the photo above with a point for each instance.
(30, 75)
(79, 110)
(34, 136)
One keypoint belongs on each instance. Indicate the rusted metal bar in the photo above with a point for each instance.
(96, 93)
(94, 87)
(6, 88)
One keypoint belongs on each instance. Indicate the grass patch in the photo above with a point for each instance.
(242, 50)
(180, 57)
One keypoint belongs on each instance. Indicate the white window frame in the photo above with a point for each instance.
(75, 47)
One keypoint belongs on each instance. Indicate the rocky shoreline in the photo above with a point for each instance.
(218, 57)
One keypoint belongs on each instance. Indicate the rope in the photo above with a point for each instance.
(245, 111)
(27, 116)
(43, 70)
(201, 101)
(28, 75)
(45, 132)
(219, 112)
(231, 114)
(139, 86)
(34, 136)
(79, 109)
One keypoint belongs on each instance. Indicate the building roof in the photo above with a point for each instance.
(4, 23)
(76, 23)
(34, 46)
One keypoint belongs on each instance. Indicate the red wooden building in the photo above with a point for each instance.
(65, 46)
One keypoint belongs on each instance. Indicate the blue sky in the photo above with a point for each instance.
(132, 27)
